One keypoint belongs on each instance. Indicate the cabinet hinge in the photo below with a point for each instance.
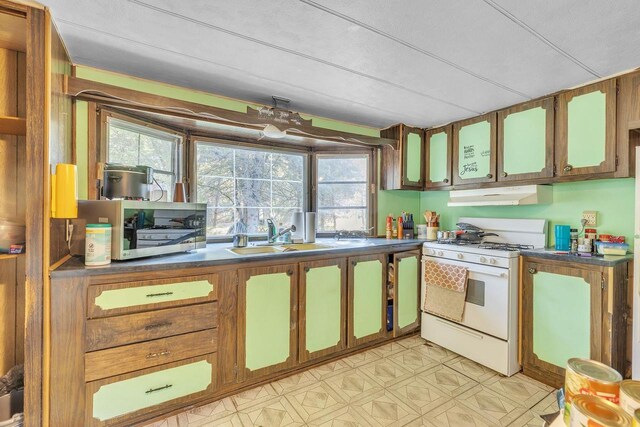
(617, 160)
(373, 189)
(235, 370)
(554, 170)
(237, 280)
(602, 282)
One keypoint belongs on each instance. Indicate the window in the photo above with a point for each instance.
(245, 186)
(134, 144)
(343, 192)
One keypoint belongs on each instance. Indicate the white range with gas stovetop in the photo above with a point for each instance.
(488, 332)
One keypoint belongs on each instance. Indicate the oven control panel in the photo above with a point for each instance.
(485, 259)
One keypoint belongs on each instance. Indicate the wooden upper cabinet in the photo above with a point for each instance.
(403, 168)
(438, 144)
(627, 123)
(525, 141)
(586, 130)
(474, 150)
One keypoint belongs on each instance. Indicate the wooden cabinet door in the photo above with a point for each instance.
(525, 141)
(406, 307)
(586, 130)
(267, 319)
(438, 142)
(367, 299)
(562, 318)
(402, 168)
(474, 150)
(627, 123)
(322, 317)
(412, 148)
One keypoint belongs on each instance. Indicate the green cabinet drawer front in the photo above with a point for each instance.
(474, 150)
(152, 294)
(407, 291)
(438, 157)
(323, 303)
(414, 157)
(133, 394)
(268, 319)
(525, 141)
(367, 298)
(586, 129)
(561, 318)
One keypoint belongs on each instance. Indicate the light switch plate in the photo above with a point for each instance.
(591, 217)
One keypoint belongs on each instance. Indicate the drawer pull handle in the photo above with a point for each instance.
(153, 390)
(532, 271)
(157, 325)
(290, 273)
(159, 294)
(307, 269)
(568, 168)
(161, 353)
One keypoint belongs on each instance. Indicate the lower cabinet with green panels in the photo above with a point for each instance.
(572, 310)
(117, 359)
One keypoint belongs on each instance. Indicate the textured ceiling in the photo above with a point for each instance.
(373, 62)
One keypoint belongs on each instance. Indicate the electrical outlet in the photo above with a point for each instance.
(591, 217)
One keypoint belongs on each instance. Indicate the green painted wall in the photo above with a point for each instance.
(613, 199)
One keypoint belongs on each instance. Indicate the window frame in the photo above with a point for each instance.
(154, 130)
(193, 181)
(372, 184)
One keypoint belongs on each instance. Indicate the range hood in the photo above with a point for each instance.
(502, 196)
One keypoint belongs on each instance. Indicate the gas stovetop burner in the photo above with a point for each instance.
(504, 246)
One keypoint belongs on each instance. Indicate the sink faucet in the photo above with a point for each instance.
(272, 231)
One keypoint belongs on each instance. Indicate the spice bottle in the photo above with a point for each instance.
(389, 234)
(400, 227)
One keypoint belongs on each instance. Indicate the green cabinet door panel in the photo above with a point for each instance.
(525, 136)
(323, 303)
(474, 150)
(586, 129)
(561, 318)
(367, 298)
(152, 294)
(130, 395)
(414, 157)
(438, 157)
(407, 291)
(268, 320)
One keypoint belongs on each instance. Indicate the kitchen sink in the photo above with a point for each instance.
(274, 249)
(305, 247)
(256, 250)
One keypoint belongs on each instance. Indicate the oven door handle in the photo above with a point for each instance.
(502, 274)
(461, 329)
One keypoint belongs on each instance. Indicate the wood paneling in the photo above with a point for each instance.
(228, 328)
(37, 257)
(7, 314)
(628, 118)
(8, 143)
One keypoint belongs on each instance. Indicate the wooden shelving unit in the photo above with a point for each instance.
(13, 126)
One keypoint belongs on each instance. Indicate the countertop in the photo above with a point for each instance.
(216, 254)
(605, 261)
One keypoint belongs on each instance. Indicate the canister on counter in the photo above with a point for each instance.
(595, 411)
(97, 247)
(584, 376)
(630, 396)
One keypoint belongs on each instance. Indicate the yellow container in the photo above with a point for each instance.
(64, 192)
(594, 411)
(636, 418)
(630, 396)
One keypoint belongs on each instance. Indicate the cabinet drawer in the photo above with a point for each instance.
(130, 297)
(133, 357)
(150, 325)
(116, 399)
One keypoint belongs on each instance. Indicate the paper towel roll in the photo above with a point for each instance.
(310, 229)
(297, 219)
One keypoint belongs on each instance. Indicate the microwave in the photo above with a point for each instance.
(143, 228)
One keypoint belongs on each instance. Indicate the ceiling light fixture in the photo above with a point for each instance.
(270, 131)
